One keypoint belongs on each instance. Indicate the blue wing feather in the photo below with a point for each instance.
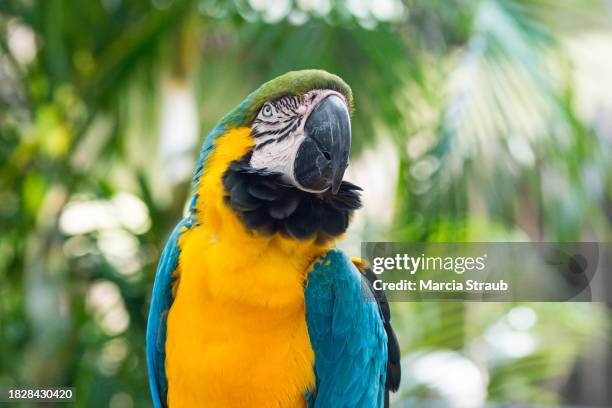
(161, 300)
(347, 335)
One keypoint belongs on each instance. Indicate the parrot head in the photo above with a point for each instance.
(285, 151)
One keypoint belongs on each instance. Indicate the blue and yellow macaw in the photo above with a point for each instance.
(252, 306)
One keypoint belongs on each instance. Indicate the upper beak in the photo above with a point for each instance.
(323, 156)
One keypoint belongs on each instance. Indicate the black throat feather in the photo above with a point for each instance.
(265, 204)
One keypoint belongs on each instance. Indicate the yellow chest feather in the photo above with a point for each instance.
(236, 332)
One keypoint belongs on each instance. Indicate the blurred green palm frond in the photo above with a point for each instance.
(507, 126)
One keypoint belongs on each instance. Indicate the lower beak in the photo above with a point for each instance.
(323, 156)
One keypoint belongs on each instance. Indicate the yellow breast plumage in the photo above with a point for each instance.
(236, 333)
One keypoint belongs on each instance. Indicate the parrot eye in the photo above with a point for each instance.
(266, 111)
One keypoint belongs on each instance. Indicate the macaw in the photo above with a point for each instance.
(252, 305)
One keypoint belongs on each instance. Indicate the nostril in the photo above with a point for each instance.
(326, 155)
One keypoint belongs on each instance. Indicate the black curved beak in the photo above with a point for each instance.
(323, 156)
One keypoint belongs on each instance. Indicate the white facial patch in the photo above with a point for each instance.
(278, 131)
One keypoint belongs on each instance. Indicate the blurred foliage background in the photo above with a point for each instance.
(475, 120)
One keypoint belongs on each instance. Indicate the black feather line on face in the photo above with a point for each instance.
(266, 205)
